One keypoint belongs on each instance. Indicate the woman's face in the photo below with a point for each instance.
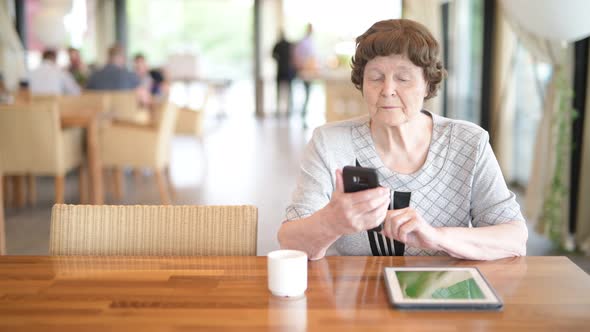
(394, 89)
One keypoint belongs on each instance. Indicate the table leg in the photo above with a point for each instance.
(19, 192)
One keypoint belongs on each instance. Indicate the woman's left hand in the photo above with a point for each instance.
(407, 226)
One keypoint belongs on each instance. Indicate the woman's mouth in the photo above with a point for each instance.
(389, 108)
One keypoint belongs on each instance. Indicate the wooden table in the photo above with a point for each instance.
(221, 293)
(88, 120)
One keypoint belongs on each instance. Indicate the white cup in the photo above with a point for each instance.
(287, 272)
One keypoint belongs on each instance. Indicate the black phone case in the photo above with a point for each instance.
(361, 178)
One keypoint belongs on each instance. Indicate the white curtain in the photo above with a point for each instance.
(427, 12)
(545, 156)
(503, 96)
(12, 55)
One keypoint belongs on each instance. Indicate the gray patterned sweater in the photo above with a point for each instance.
(459, 185)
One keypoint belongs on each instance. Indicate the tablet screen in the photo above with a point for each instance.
(439, 287)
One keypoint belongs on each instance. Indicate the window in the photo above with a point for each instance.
(530, 79)
(464, 51)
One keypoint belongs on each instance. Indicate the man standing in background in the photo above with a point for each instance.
(282, 53)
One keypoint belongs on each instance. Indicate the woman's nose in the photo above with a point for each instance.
(388, 88)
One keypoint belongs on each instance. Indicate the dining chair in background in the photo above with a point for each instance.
(124, 106)
(96, 100)
(136, 146)
(190, 119)
(32, 143)
(153, 230)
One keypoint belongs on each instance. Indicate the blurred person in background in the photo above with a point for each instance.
(50, 79)
(304, 58)
(114, 75)
(146, 82)
(283, 54)
(159, 87)
(76, 67)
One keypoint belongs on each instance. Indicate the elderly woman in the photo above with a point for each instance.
(460, 204)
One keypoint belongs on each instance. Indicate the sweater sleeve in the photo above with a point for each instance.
(492, 202)
(314, 183)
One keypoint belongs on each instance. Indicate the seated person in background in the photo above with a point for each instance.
(77, 67)
(114, 75)
(159, 86)
(145, 80)
(460, 204)
(49, 79)
(142, 71)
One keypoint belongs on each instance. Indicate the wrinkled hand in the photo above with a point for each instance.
(407, 226)
(349, 213)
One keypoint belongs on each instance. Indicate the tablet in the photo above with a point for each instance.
(440, 288)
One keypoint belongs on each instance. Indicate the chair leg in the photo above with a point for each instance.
(118, 183)
(83, 185)
(162, 187)
(19, 191)
(60, 186)
(32, 189)
(2, 228)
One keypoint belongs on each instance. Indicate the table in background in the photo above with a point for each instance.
(220, 293)
(88, 120)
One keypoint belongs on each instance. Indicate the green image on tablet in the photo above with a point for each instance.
(439, 288)
(438, 285)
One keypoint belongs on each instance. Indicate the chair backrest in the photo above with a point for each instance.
(95, 100)
(153, 230)
(166, 125)
(123, 104)
(30, 138)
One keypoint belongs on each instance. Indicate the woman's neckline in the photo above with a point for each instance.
(429, 153)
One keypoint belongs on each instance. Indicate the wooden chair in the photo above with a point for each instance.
(138, 146)
(152, 230)
(32, 142)
(123, 105)
(190, 119)
(89, 99)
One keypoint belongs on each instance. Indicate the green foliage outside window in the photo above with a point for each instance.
(219, 31)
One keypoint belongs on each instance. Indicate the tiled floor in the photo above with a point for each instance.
(242, 160)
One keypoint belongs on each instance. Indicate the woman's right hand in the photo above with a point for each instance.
(350, 213)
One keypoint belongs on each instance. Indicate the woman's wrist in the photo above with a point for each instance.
(440, 239)
(325, 222)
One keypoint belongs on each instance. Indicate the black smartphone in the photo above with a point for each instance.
(360, 178)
